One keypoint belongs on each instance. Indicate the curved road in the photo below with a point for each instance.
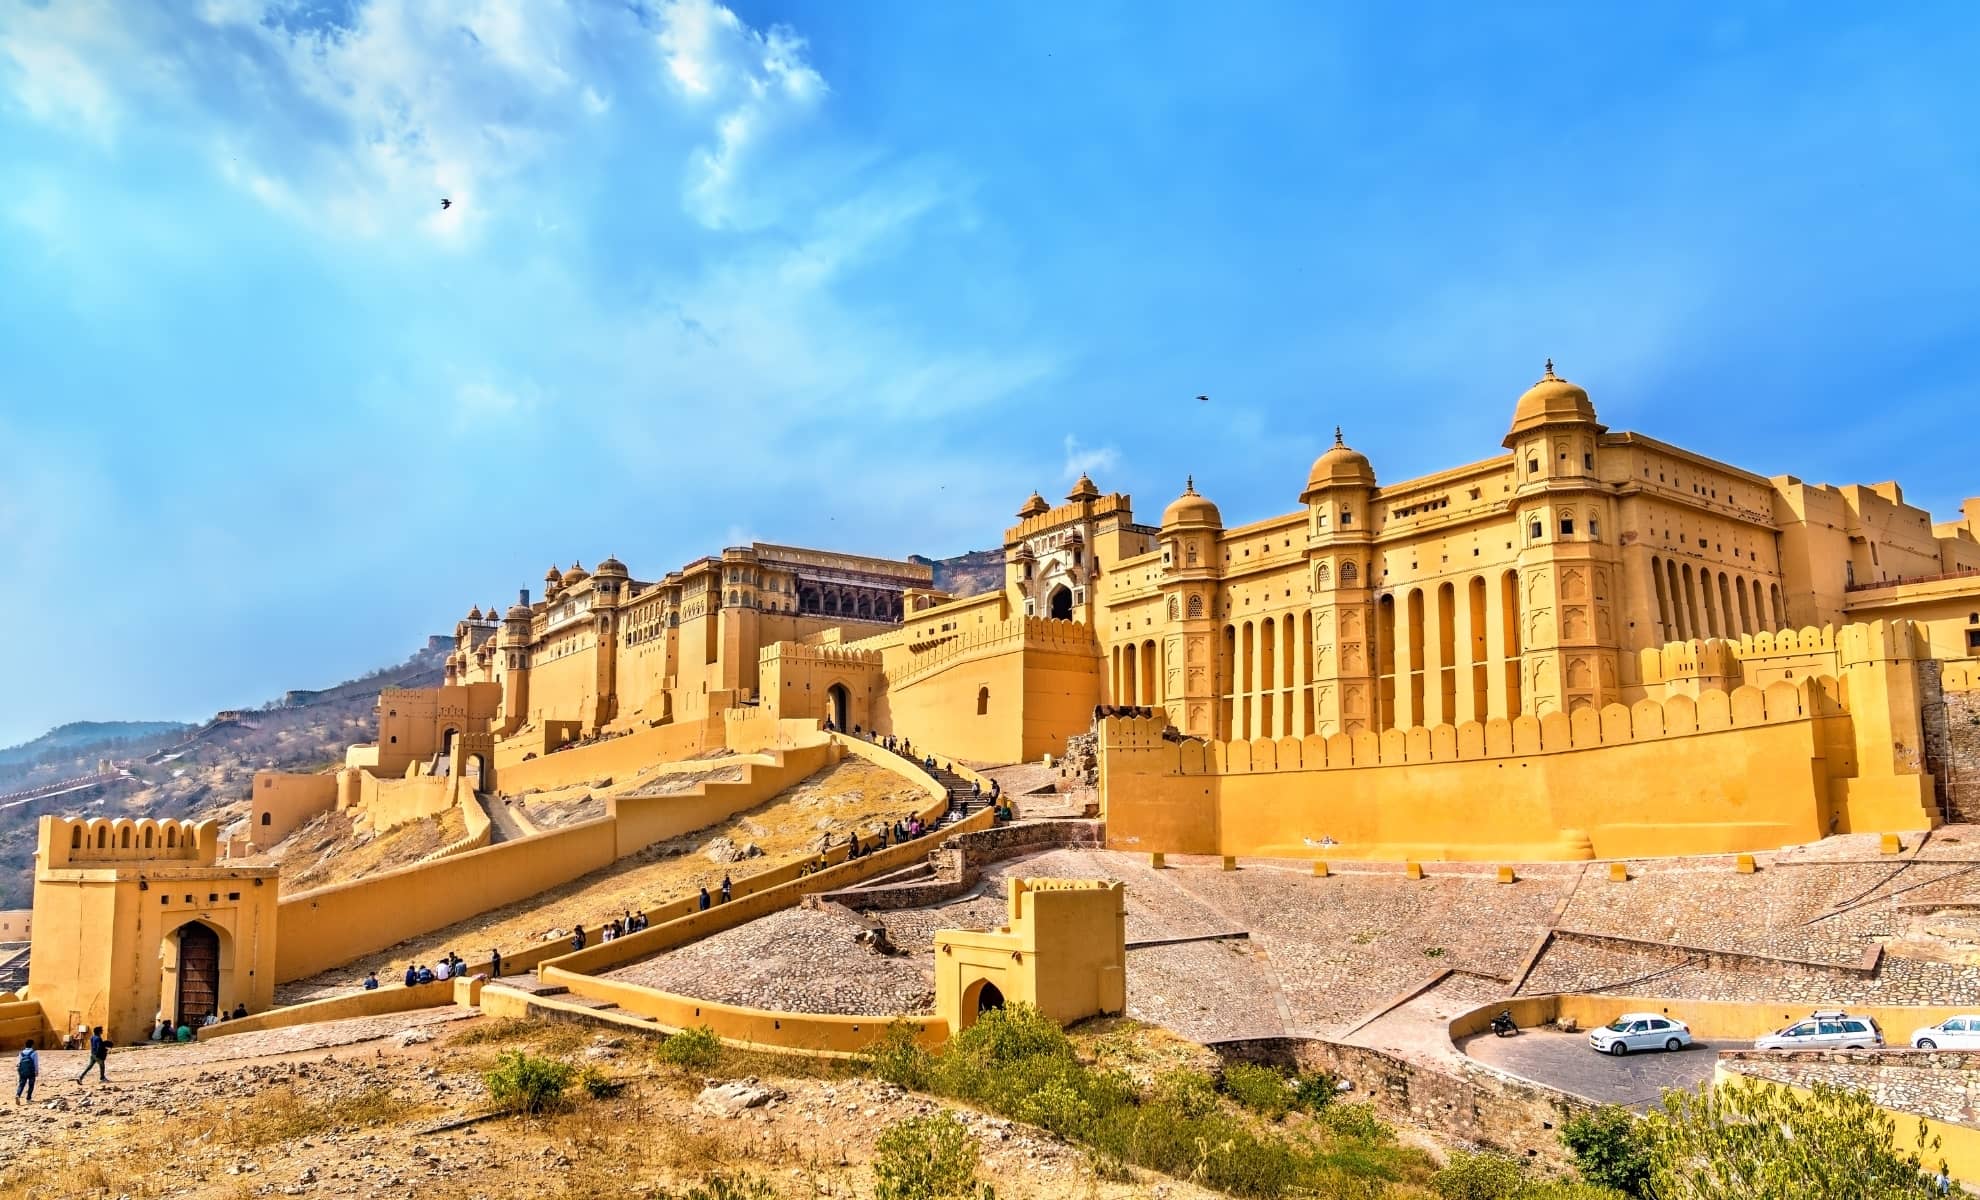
(1565, 1061)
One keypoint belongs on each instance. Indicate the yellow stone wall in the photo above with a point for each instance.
(1753, 768)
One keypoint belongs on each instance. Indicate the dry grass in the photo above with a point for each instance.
(285, 1114)
(852, 794)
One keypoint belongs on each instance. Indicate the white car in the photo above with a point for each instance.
(1831, 1030)
(1640, 1031)
(1953, 1033)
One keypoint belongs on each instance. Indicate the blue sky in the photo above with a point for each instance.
(863, 275)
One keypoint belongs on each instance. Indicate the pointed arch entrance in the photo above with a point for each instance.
(199, 973)
(1059, 606)
(838, 703)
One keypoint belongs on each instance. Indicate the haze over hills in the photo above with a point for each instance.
(65, 741)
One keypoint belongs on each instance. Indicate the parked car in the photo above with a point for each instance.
(1640, 1031)
(1831, 1030)
(1953, 1033)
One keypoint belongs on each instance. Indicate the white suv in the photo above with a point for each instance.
(1953, 1033)
(1832, 1030)
(1640, 1031)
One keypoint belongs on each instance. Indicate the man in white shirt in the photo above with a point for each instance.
(440, 971)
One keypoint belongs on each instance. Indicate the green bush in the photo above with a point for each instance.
(1191, 1093)
(1263, 1090)
(1313, 1092)
(528, 1083)
(1608, 1149)
(598, 1085)
(696, 1049)
(1480, 1177)
(1058, 1108)
(1356, 1121)
(925, 1158)
(898, 1058)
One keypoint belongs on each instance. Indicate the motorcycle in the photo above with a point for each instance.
(1503, 1026)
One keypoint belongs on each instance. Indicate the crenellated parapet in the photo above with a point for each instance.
(1713, 711)
(121, 841)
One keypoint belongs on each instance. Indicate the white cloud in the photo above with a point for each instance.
(756, 83)
(1084, 460)
(50, 58)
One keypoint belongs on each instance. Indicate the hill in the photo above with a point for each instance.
(80, 738)
(969, 574)
(178, 771)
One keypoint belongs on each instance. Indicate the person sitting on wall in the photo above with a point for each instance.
(426, 974)
(577, 939)
(442, 972)
(240, 1012)
(185, 1033)
(412, 975)
(726, 894)
(829, 727)
(856, 732)
(371, 981)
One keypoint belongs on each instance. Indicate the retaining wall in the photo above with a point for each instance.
(388, 998)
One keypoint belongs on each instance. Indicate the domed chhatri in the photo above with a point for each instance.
(1083, 490)
(1550, 401)
(1340, 466)
(553, 576)
(474, 614)
(610, 565)
(1191, 508)
(1033, 507)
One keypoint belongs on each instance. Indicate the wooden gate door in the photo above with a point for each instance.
(199, 973)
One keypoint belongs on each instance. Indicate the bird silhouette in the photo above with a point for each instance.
(445, 204)
(1205, 399)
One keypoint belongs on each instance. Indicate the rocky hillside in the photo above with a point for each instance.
(65, 742)
(969, 574)
(183, 771)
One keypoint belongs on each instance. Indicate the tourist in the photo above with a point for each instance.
(30, 1070)
(852, 845)
(725, 887)
(210, 1019)
(441, 972)
(976, 789)
(412, 975)
(606, 933)
(161, 1032)
(240, 1012)
(99, 1054)
(996, 789)
(577, 939)
(426, 974)
(704, 899)
(371, 981)
(495, 963)
(185, 1033)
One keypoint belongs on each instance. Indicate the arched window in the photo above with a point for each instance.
(1349, 573)
(147, 837)
(1323, 577)
(103, 837)
(171, 837)
(1195, 607)
(1173, 608)
(75, 838)
(267, 818)
(983, 702)
(125, 841)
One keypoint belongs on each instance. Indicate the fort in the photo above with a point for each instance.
(1591, 711)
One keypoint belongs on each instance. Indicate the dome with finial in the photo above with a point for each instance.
(1340, 466)
(518, 612)
(1033, 507)
(553, 576)
(1083, 490)
(1548, 402)
(611, 566)
(577, 574)
(474, 614)
(1191, 509)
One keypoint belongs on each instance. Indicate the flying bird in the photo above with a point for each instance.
(1205, 399)
(445, 204)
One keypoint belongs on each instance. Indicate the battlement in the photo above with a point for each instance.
(120, 841)
(1647, 720)
(1030, 633)
(819, 653)
(1825, 650)
(1111, 504)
